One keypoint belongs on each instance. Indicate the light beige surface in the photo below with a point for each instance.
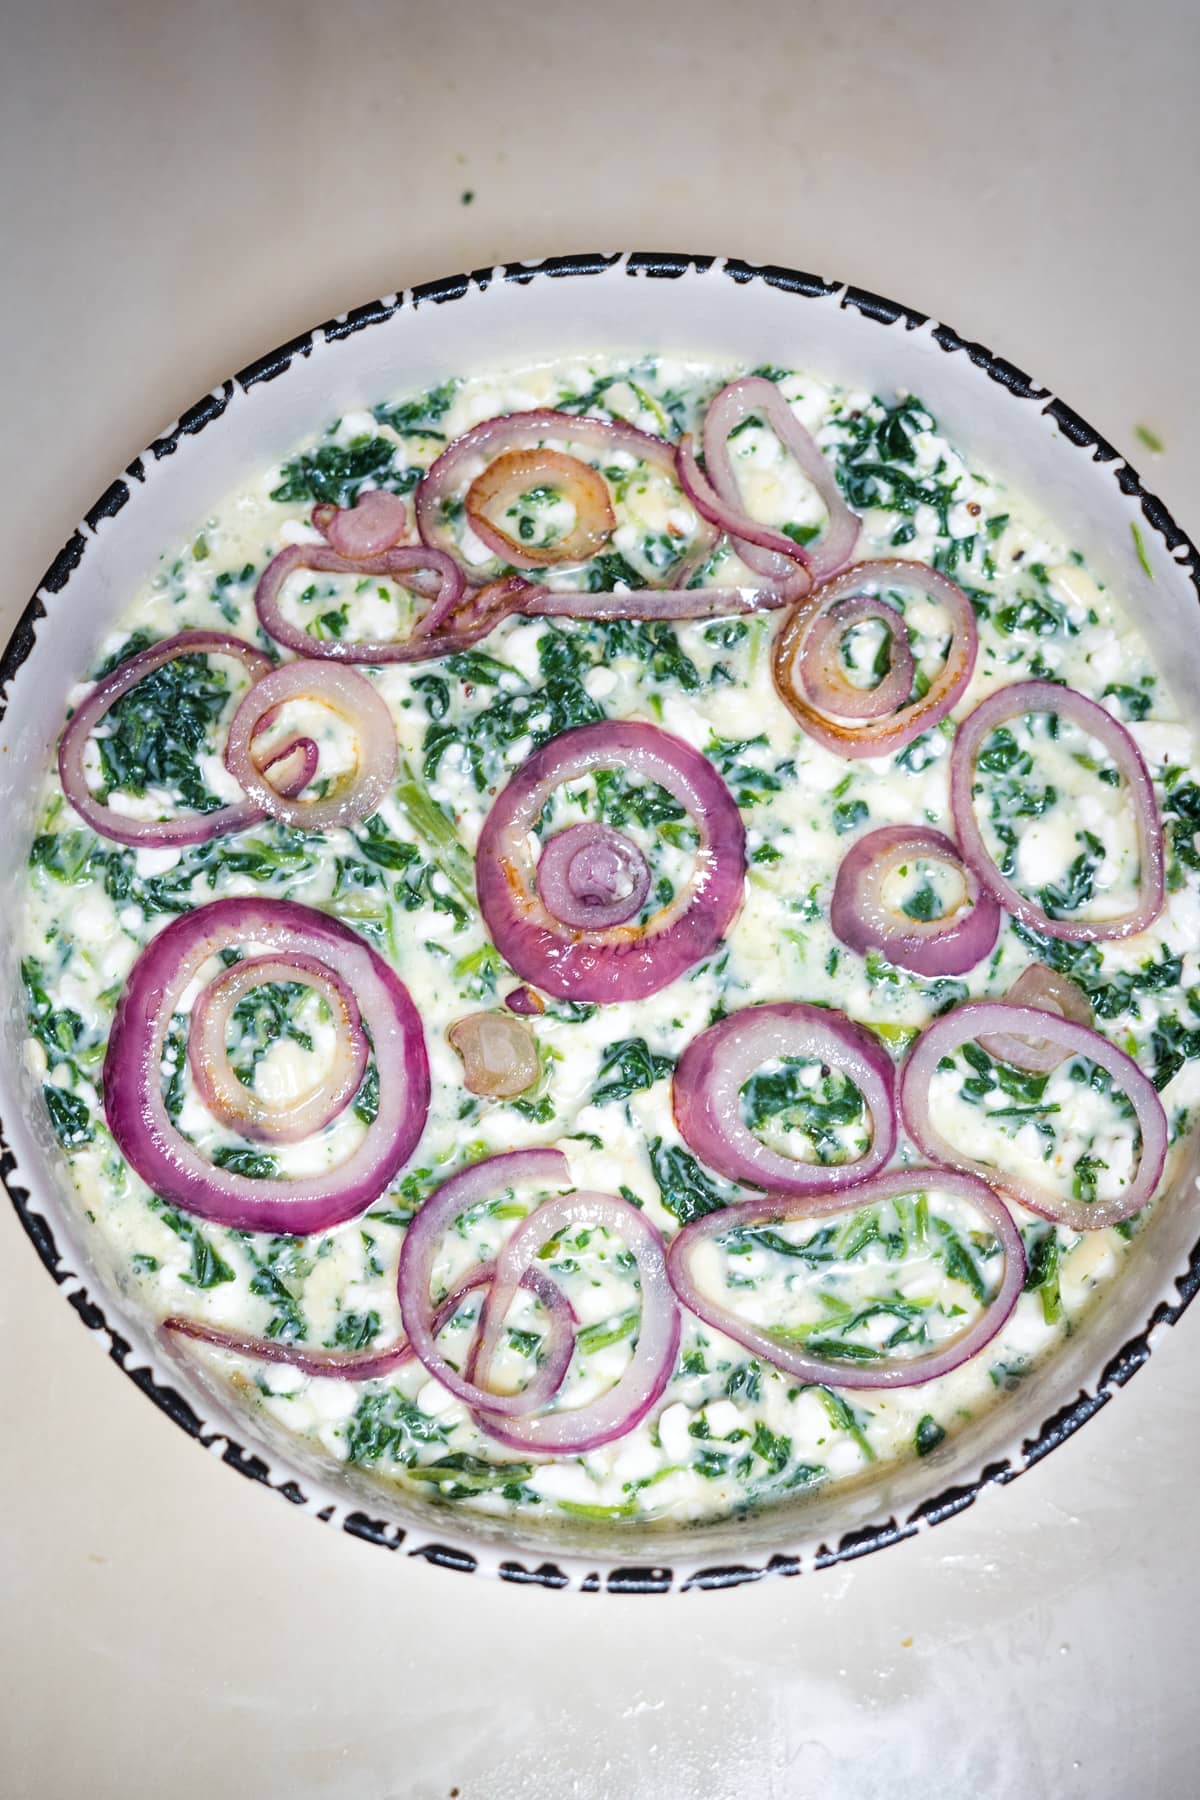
(185, 186)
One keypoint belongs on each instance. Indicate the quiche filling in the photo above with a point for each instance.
(617, 940)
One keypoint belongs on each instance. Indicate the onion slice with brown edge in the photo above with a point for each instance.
(187, 828)
(480, 1182)
(716, 1065)
(983, 1018)
(344, 692)
(242, 1108)
(860, 916)
(513, 474)
(1053, 992)
(625, 962)
(740, 401)
(877, 737)
(1025, 697)
(823, 674)
(793, 1359)
(168, 1162)
(576, 1430)
(528, 431)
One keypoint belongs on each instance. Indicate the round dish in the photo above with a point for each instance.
(738, 314)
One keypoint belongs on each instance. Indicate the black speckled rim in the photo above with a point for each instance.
(637, 1578)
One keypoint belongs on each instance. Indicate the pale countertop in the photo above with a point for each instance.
(186, 186)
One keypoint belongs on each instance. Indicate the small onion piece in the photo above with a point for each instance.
(528, 431)
(626, 962)
(573, 1431)
(335, 1365)
(752, 397)
(374, 524)
(349, 695)
(863, 920)
(592, 876)
(168, 1162)
(977, 1019)
(1054, 993)
(793, 1359)
(822, 673)
(241, 1107)
(473, 1186)
(499, 1055)
(525, 1001)
(513, 474)
(877, 737)
(1088, 716)
(187, 828)
(716, 1065)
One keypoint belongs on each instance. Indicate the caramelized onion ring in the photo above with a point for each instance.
(512, 474)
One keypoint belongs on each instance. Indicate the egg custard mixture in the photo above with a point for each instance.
(619, 940)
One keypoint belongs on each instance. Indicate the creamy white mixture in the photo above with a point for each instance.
(730, 1431)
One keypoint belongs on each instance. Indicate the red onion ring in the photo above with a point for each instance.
(785, 565)
(878, 737)
(332, 1365)
(824, 677)
(981, 1018)
(1064, 702)
(1039, 986)
(172, 1166)
(512, 474)
(429, 573)
(481, 1182)
(733, 406)
(592, 877)
(909, 1371)
(529, 431)
(352, 698)
(624, 962)
(294, 765)
(623, 1406)
(863, 920)
(241, 1107)
(188, 828)
(715, 1066)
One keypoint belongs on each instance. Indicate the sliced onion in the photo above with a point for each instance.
(873, 736)
(525, 1001)
(431, 574)
(512, 474)
(187, 828)
(353, 699)
(592, 876)
(984, 1018)
(528, 431)
(375, 523)
(1039, 986)
(682, 605)
(625, 962)
(332, 1365)
(716, 1065)
(499, 1054)
(823, 674)
(733, 406)
(241, 1107)
(1065, 703)
(292, 767)
(784, 566)
(900, 1371)
(572, 1432)
(133, 1099)
(481, 1182)
(863, 919)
